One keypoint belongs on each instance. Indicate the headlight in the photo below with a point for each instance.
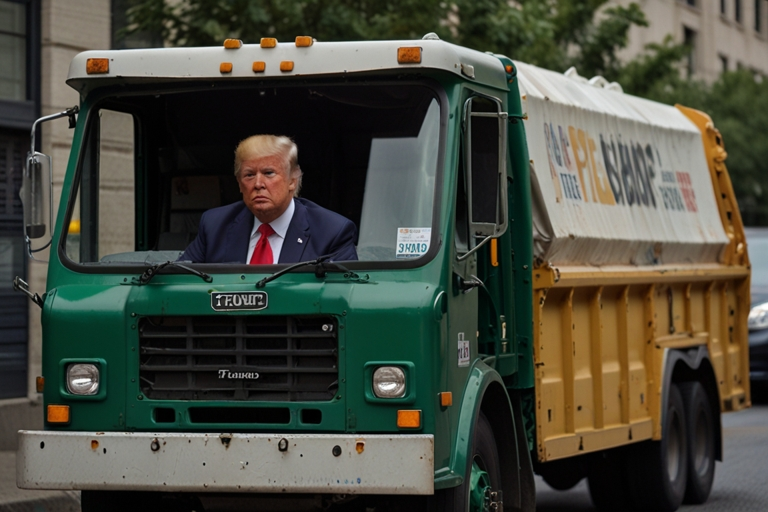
(389, 382)
(758, 317)
(83, 379)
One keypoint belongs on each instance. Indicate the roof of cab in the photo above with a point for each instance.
(333, 58)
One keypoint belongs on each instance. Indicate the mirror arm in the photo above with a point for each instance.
(474, 249)
(70, 113)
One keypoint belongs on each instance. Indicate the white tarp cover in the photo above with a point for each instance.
(615, 179)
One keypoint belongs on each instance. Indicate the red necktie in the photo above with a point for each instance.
(262, 253)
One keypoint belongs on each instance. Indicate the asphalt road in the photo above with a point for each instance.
(741, 480)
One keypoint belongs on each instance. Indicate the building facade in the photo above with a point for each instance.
(724, 35)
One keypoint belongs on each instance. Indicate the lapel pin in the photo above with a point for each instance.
(300, 241)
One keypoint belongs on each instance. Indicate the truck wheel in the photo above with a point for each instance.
(701, 442)
(608, 481)
(661, 466)
(483, 470)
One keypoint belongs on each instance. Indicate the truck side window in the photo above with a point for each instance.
(103, 219)
(461, 236)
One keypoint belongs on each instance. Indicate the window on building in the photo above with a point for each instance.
(758, 15)
(723, 7)
(737, 10)
(689, 40)
(723, 63)
(13, 51)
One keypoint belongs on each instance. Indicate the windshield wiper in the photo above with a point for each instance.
(322, 267)
(152, 271)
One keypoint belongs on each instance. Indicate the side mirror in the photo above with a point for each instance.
(485, 150)
(37, 190)
(36, 196)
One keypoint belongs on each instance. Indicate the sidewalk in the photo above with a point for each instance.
(13, 499)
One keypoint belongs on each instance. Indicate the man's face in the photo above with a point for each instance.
(266, 185)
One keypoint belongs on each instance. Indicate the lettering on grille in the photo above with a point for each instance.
(238, 357)
(238, 301)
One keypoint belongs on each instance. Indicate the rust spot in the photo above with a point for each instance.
(360, 446)
(94, 444)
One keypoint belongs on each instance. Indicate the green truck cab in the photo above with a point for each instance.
(333, 378)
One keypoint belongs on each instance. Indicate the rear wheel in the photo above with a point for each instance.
(701, 442)
(662, 466)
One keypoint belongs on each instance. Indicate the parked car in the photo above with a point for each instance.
(757, 243)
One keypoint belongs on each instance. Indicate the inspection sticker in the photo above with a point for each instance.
(463, 350)
(412, 242)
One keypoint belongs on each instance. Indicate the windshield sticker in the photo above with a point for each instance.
(412, 242)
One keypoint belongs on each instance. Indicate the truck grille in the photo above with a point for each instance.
(218, 357)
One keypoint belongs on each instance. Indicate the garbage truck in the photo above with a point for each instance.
(551, 278)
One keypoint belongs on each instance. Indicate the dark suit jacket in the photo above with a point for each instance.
(225, 233)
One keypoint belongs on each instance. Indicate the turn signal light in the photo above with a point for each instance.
(232, 44)
(446, 399)
(304, 41)
(268, 42)
(58, 414)
(40, 384)
(409, 55)
(409, 419)
(97, 66)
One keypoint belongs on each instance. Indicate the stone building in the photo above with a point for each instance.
(724, 35)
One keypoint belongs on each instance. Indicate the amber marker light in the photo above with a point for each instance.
(286, 65)
(225, 67)
(259, 66)
(409, 419)
(268, 42)
(58, 414)
(97, 66)
(446, 399)
(494, 252)
(409, 55)
(232, 44)
(40, 384)
(304, 41)
(508, 68)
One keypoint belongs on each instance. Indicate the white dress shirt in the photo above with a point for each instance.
(280, 225)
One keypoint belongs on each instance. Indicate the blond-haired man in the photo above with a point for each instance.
(270, 225)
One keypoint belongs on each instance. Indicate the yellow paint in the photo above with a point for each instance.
(599, 176)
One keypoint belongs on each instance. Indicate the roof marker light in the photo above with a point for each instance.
(304, 41)
(268, 42)
(286, 65)
(232, 44)
(259, 66)
(97, 66)
(409, 55)
(225, 67)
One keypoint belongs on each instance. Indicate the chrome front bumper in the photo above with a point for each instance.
(183, 462)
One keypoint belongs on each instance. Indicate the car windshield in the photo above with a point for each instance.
(757, 244)
(152, 164)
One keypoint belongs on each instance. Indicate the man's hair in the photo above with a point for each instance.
(259, 146)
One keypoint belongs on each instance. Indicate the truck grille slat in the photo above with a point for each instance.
(216, 357)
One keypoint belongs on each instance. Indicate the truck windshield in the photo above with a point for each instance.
(151, 164)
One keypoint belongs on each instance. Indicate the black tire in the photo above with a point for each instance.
(134, 501)
(486, 455)
(661, 470)
(701, 442)
(609, 482)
